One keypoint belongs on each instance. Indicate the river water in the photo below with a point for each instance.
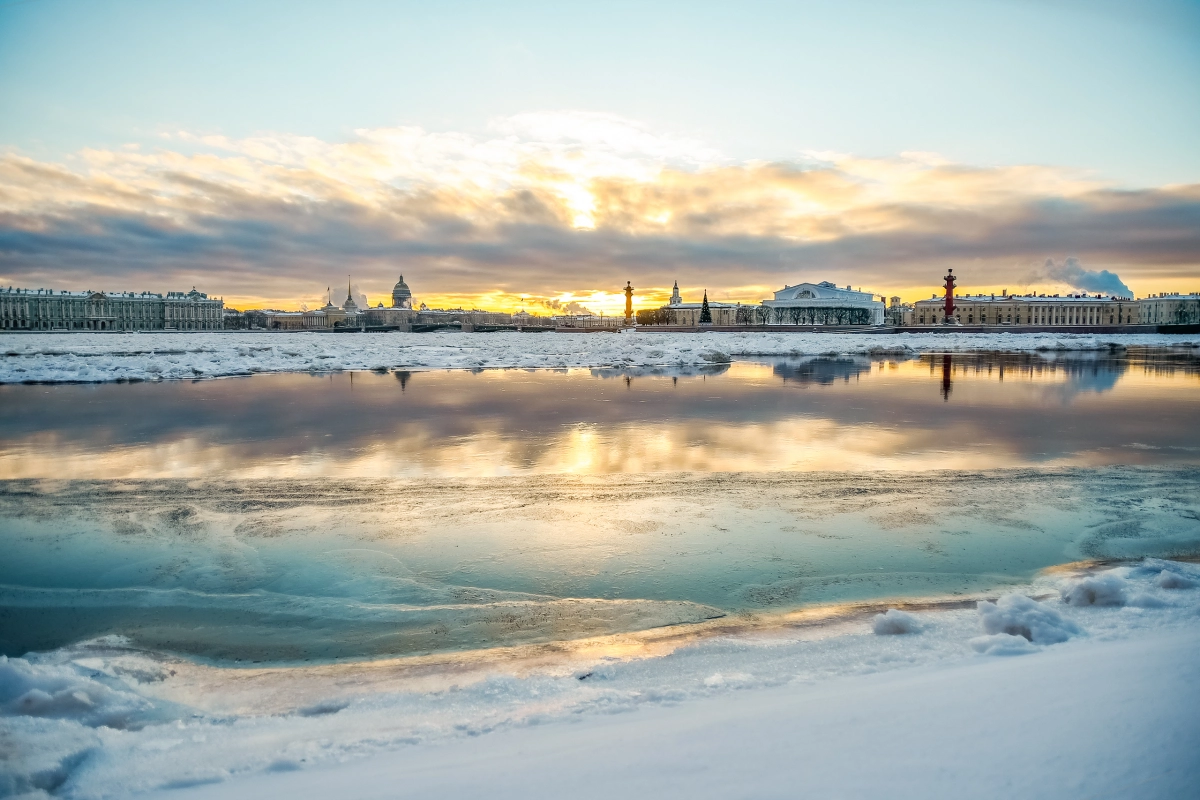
(296, 518)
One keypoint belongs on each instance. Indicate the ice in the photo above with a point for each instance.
(1100, 590)
(1002, 644)
(1173, 580)
(893, 622)
(98, 358)
(68, 692)
(102, 720)
(1018, 615)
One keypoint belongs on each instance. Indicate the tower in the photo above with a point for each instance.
(675, 298)
(949, 297)
(628, 303)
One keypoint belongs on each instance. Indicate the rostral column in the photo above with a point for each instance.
(628, 303)
(949, 297)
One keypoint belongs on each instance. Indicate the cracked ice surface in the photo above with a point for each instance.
(97, 358)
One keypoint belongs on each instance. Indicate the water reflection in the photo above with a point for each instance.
(997, 410)
(822, 370)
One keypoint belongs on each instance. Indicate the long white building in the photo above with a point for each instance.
(1054, 310)
(47, 310)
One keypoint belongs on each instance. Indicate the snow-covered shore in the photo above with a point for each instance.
(1078, 685)
(96, 358)
(1106, 719)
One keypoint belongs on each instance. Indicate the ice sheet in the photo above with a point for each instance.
(97, 358)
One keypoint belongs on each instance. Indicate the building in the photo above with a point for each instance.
(1005, 309)
(1170, 309)
(823, 304)
(688, 314)
(897, 311)
(47, 310)
(401, 295)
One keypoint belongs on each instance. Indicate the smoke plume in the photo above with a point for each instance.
(571, 308)
(1072, 273)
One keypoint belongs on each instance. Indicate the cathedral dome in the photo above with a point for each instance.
(401, 296)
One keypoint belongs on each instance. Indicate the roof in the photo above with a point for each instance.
(1014, 298)
(825, 290)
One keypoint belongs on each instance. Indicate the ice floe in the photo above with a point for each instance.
(96, 358)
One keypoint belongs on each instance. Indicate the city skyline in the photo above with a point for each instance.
(509, 161)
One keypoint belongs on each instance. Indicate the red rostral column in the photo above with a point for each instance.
(949, 293)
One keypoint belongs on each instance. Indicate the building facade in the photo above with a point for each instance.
(1030, 309)
(1170, 309)
(47, 310)
(824, 304)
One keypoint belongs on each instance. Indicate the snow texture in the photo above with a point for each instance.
(1098, 590)
(101, 720)
(1002, 644)
(1018, 615)
(893, 622)
(98, 358)
(1173, 580)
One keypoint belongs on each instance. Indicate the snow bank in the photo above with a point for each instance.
(84, 692)
(894, 622)
(1104, 719)
(99, 720)
(1098, 590)
(1018, 615)
(95, 358)
(1173, 580)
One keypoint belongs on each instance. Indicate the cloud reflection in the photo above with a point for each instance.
(1004, 410)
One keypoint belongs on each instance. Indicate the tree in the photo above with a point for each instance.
(705, 313)
(653, 316)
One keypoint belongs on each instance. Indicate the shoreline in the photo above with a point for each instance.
(151, 727)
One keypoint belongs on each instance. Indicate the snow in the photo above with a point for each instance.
(764, 708)
(1099, 721)
(1018, 615)
(1102, 590)
(1168, 579)
(895, 622)
(96, 357)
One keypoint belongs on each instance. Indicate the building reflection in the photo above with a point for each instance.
(822, 370)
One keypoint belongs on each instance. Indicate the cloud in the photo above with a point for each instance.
(563, 206)
(1072, 273)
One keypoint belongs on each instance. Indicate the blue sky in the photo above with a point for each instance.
(1105, 91)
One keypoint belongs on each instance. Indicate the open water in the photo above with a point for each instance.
(298, 518)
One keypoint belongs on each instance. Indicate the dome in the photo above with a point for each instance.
(401, 295)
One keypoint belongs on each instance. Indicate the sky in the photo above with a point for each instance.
(539, 155)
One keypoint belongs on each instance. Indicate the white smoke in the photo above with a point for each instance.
(1072, 273)
(572, 307)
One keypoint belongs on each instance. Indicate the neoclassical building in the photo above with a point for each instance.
(47, 310)
(824, 304)
(401, 295)
(1029, 309)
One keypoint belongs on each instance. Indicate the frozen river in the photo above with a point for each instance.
(372, 572)
(292, 518)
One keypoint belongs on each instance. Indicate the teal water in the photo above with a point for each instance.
(281, 519)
